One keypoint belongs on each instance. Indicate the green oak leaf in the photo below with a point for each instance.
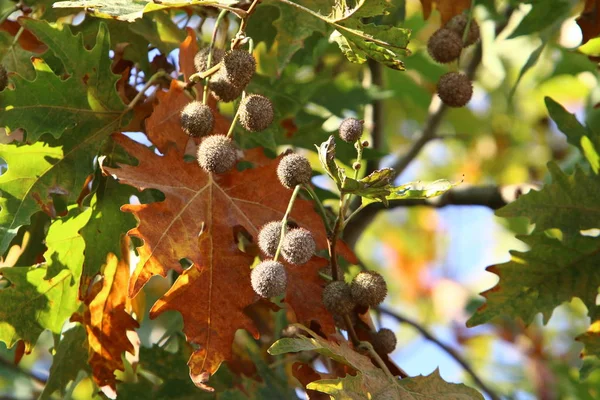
(342, 10)
(384, 44)
(70, 357)
(44, 296)
(537, 281)
(543, 14)
(569, 203)
(370, 381)
(68, 108)
(107, 223)
(51, 104)
(584, 138)
(293, 27)
(375, 186)
(128, 10)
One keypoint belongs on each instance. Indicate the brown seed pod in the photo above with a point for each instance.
(239, 67)
(351, 130)
(444, 45)
(294, 169)
(197, 119)
(222, 89)
(217, 153)
(3, 77)
(384, 341)
(337, 298)
(268, 237)
(256, 113)
(269, 279)
(368, 288)
(458, 23)
(201, 58)
(298, 246)
(455, 89)
(340, 323)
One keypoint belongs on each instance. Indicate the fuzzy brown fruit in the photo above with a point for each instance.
(197, 119)
(368, 288)
(217, 154)
(239, 67)
(384, 341)
(256, 113)
(351, 129)
(455, 89)
(268, 237)
(458, 23)
(222, 89)
(444, 45)
(269, 279)
(201, 58)
(337, 298)
(298, 246)
(293, 169)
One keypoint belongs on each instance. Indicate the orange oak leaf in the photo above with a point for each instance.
(198, 221)
(187, 51)
(305, 297)
(107, 322)
(446, 8)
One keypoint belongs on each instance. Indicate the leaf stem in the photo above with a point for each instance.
(285, 219)
(359, 209)
(210, 53)
(149, 83)
(321, 208)
(241, 33)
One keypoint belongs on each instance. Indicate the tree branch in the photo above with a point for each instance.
(450, 351)
(491, 196)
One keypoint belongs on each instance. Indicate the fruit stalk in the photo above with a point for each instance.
(285, 219)
(210, 53)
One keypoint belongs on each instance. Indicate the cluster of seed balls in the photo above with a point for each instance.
(217, 153)
(445, 45)
(269, 278)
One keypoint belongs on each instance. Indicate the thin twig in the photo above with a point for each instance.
(451, 352)
(320, 207)
(210, 53)
(140, 94)
(285, 219)
(241, 34)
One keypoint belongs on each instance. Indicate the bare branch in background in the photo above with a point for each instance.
(450, 351)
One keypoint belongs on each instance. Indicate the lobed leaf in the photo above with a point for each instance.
(44, 297)
(537, 281)
(368, 381)
(569, 203)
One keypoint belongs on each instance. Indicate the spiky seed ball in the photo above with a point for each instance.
(337, 298)
(384, 341)
(239, 67)
(268, 237)
(269, 279)
(455, 89)
(458, 23)
(293, 169)
(351, 129)
(368, 288)
(201, 58)
(298, 246)
(217, 154)
(444, 45)
(197, 119)
(256, 113)
(3, 77)
(222, 89)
